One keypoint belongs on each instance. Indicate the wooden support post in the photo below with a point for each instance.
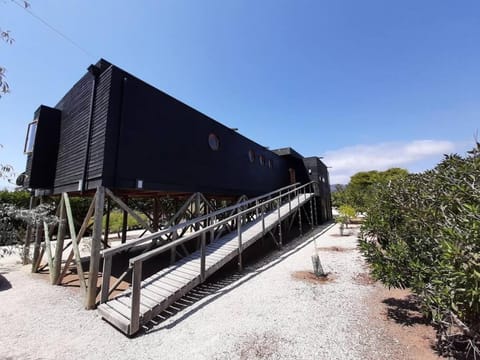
(95, 252)
(48, 251)
(156, 214)
(124, 225)
(37, 257)
(107, 223)
(107, 271)
(78, 238)
(62, 227)
(28, 237)
(196, 214)
(75, 242)
(315, 210)
(197, 209)
(202, 256)
(136, 286)
(240, 245)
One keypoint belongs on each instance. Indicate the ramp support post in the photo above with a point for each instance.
(95, 251)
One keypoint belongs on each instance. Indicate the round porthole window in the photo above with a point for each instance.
(262, 160)
(251, 156)
(213, 142)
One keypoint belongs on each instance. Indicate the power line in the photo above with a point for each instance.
(58, 32)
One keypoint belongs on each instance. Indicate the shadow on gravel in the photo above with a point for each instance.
(216, 286)
(405, 311)
(4, 283)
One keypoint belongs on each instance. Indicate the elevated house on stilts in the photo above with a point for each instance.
(115, 140)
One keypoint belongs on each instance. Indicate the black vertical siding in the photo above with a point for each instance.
(164, 142)
(99, 126)
(75, 107)
(28, 170)
(129, 130)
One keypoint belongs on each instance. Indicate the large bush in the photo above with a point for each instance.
(423, 232)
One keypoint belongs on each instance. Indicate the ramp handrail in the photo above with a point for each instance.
(181, 226)
(136, 262)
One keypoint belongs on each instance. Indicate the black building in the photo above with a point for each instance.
(115, 130)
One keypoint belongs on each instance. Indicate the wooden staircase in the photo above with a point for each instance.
(149, 297)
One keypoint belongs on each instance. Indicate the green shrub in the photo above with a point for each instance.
(423, 232)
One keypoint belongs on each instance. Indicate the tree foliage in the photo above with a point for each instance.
(422, 231)
(6, 36)
(359, 191)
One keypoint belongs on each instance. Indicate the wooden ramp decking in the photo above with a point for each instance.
(168, 285)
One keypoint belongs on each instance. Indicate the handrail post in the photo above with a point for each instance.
(107, 270)
(240, 246)
(202, 257)
(289, 202)
(311, 210)
(256, 209)
(263, 220)
(299, 216)
(279, 226)
(136, 285)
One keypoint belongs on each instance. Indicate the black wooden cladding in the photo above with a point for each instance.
(40, 166)
(116, 130)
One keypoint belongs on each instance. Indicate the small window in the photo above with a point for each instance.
(213, 142)
(270, 163)
(251, 156)
(262, 160)
(30, 139)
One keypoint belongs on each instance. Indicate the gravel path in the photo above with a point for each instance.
(265, 313)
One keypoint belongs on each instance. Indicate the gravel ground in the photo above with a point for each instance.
(265, 313)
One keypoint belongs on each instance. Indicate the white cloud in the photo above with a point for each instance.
(349, 160)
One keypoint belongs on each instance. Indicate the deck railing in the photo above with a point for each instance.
(234, 215)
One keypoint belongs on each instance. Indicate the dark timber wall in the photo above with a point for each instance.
(114, 130)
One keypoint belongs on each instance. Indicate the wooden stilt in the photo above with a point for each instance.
(49, 252)
(28, 238)
(62, 227)
(107, 223)
(156, 214)
(37, 253)
(95, 252)
(75, 241)
(79, 236)
(124, 226)
(38, 242)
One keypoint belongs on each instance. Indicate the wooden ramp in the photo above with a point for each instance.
(168, 285)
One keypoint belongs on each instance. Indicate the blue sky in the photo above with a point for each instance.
(367, 84)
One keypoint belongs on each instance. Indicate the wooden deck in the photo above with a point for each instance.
(170, 284)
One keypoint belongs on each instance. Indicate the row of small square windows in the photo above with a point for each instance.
(214, 144)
